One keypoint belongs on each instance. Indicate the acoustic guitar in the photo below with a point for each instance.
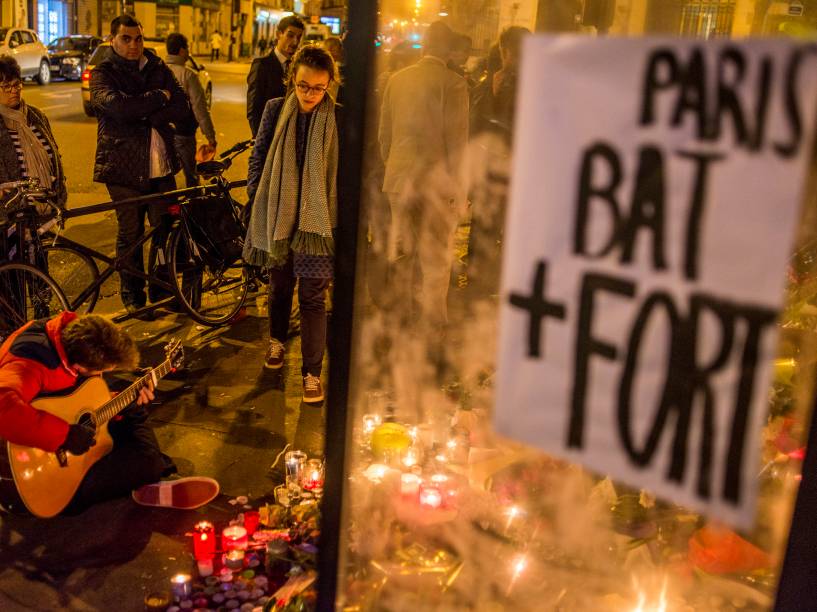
(41, 483)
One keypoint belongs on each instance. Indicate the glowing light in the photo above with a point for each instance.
(643, 604)
(442, 14)
(519, 564)
(512, 513)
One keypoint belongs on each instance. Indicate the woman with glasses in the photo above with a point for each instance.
(292, 185)
(27, 145)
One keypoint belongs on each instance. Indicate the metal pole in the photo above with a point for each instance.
(359, 45)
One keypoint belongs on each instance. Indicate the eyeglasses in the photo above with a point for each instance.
(9, 86)
(305, 89)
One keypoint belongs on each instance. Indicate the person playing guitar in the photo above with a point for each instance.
(55, 357)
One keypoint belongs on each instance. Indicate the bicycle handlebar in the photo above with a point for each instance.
(238, 147)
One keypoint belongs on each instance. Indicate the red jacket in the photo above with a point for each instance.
(33, 362)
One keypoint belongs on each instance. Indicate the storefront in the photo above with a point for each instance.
(52, 20)
(206, 22)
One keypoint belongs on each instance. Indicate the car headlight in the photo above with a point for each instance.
(73, 61)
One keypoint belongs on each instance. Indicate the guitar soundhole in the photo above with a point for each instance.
(87, 420)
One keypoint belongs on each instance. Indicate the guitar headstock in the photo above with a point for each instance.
(174, 351)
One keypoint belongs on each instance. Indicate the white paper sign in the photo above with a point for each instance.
(656, 187)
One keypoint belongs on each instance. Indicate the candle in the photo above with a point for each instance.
(411, 457)
(410, 484)
(157, 602)
(234, 537)
(430, 495)
(294, 462)
(205, 567)
(370, 423)
(234, 559)
(251, 520)
(181, 585)
(313, 476)
(204, 540)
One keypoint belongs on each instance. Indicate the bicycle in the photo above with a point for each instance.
(208, 277)
(27, 291)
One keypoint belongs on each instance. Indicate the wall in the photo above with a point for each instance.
(146, 14)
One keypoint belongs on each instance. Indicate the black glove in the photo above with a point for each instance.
(79, 439)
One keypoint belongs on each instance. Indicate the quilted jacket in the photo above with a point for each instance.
(128, 103)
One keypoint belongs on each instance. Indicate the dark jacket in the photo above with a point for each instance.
(10, 168)
(128, 103)
(264, 82)
(32, 362)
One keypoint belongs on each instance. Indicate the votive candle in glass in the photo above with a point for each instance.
(251, 520)
(410, 484)
(181, 586)
(204, 540)
(234, 538)
(370, 423)
(294, 462)
(430, 495)
(313, 476)
(234, 559)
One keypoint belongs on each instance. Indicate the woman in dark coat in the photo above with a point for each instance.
(292, 184)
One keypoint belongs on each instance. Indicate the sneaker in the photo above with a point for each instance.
(275, 355)
(183, 494)
(313, 390)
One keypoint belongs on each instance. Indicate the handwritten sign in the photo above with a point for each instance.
(656, 188)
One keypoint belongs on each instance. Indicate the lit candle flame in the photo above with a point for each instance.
(644, 605)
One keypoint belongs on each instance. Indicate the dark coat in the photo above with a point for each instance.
(10, 168)
(264, 82)
(128, 103)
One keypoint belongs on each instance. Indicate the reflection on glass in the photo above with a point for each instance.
(440, 512)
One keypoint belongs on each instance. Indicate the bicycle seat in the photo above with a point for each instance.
(211, 168)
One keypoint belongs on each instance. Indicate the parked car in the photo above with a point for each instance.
(152, 45)
(316, 33)
(69, 55)
(24, 46)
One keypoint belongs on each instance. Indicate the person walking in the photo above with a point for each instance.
(265, 80)
(423, 132)
(215, 46)
(292, 182)
(262, 46)
(137, 100)
(185, 138)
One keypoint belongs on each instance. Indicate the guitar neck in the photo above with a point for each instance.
(110, 409)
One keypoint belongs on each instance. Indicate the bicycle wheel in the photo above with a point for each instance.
(211, 296)
(26, 294)
(73, 272)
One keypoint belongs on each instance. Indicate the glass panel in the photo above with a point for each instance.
(441, 512)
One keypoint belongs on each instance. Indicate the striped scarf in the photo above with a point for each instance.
(284, 194)
(38, 164)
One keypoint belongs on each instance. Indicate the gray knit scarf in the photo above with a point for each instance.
(272, 231)
(38, 164)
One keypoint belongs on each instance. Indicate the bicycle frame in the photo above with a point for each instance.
(119, 263)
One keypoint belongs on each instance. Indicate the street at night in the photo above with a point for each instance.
(223, 415)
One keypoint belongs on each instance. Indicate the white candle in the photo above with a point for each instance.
(410, 484)
(430, 496)
(205, 567)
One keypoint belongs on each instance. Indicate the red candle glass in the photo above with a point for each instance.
(251, 520)
(313, 476)
(233, 538)
(204, 541)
